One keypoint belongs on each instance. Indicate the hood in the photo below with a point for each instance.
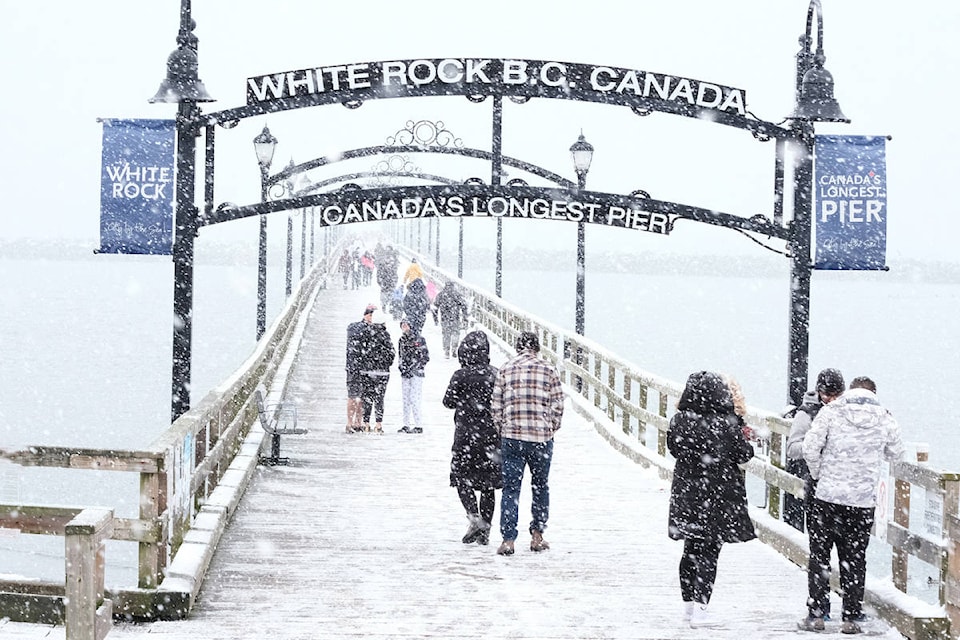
(860, 407)
(474, 350)
(706, 392)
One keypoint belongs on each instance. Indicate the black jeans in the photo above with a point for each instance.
(698, 569)
(372, 392)
(848, 528)
(468, 498)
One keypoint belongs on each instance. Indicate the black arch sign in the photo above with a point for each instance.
(350, 206)
(476, 78)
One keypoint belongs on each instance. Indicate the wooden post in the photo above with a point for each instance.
(641, 425)
(901, 516)
(612, 386)
(88, 614)
(950, 568)
(153, 491)
(773, 492)
(662, 435)
(627, 391)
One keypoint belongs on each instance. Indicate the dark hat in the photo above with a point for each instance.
(527, 340)
(370, 308)
(830, 381)
(405, 320)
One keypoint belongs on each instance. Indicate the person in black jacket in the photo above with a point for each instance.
(375, 355)
(414, 356)
(416, 302)
(708, 500)
(452, 310)
(475, 465)
(354, 380)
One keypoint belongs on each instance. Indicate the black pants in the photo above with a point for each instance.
(468, 498)
(372, 392)
(698, 569)
(848, 528)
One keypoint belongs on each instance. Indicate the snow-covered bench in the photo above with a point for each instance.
(277, 419)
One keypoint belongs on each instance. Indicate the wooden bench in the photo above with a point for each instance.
(277, 420)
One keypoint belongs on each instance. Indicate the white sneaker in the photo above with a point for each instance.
(701, 617)
(687, 611)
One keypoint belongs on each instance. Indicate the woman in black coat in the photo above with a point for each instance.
(375, 354)
(415, 305)
(708, 501)
(475, 466)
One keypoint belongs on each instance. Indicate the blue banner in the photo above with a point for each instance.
(137, 186)
(850, 192)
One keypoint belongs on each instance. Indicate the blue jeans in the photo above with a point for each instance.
(515, 456)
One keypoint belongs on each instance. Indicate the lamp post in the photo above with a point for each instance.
(304, 185)
(264, 145)
(289, 265)
(814, 103)
(182, 86)
(582, 153)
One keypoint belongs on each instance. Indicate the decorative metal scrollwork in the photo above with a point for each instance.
(760, 135)
(476, 181)
(352, 104)
(639, 193)
(389, 169)
(278, 190)
(641, 111)
(520, 99)
(229, 124)
(351, 186)
(477, 98)
(425, 133)
(517, 182)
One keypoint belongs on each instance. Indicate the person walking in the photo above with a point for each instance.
(345, 266)
(828, 388)
(386, 260)
(376, 355)
(475, 463)
(527, 407)
(414, 271)
(413, 357)
(354, 380)
(415, 305)
(844, 448)
(451, 310)
(708, 501)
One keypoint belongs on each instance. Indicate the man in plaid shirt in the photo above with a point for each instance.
(527, 405)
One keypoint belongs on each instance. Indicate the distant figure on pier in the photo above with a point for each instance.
(413, 357)
(413, 272)
(708, 501)
(451, 312)
(415, 305)
(354, 380)
(527, 408)
(385, 257)
(475, 465)
(376, 354)
(844, 448)
(345, 266)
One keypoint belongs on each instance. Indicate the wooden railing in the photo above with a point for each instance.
(632, 409)
(180, 474)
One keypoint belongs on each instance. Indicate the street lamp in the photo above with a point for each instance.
(182, 86)
(814, 103)
(582, 153)
(305, 183)
(264, 145)
(289, 271)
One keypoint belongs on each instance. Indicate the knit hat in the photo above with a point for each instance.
(370, 308)
(830, 382)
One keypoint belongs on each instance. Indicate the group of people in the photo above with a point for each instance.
(506, 419)
(841, 435)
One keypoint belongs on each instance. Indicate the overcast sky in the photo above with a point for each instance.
(894, 64)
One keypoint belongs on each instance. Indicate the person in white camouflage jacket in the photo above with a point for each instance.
(844, 448)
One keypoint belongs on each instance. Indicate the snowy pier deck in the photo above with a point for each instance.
(359, 537)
